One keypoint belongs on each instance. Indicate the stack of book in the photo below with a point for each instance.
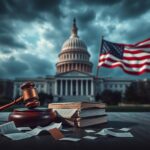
(80, 114)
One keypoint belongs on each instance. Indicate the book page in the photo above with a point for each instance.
(66, 113)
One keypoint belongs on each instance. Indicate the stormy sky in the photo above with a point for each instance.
(33, 31)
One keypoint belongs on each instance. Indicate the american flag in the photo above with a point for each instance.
(132, 58)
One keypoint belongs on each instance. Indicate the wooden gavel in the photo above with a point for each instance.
(29, 97)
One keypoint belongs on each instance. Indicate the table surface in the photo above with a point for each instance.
(139, 122)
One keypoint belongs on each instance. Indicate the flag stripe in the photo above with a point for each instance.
(133, 62)
(147, 41)
(126, 64)
(127, 71)
(133, 69)
(130, 56)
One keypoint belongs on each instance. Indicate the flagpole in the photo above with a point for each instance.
(101, 44)
(97, 73)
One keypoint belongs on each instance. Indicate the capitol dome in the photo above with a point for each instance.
(74, 43)
(74, 54)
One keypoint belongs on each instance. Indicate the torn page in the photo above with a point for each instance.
(90, 137)
(90, 131)
(53, 125)
(125, 129)
(114, 133)
(18, 136)
(103, 131)
(24, 128)
(70, 139)
(66, 130)
(8, 128)
(66, 113)
(118, 134)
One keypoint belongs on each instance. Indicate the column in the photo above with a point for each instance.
(77, 92)
(71, 92)
(64, 67)
(92, 88)
(87, 89)
(66, 82)
(81, 87)
(56, 87)
(61, 88)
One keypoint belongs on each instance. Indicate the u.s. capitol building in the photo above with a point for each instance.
(74, 80)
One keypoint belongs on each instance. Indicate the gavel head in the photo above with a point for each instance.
(30, 95)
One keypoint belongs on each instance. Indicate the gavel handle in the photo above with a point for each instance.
(11, 104)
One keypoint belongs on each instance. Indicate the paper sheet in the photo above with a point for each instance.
(90, 131)
(90, 137)
(70, 139)
(24, 128)
(9, 130)
(117, 134)
(125, 129)
(107, 131)
(66, 130)
(18, 136)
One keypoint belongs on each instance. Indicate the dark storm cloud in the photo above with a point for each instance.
(13, 67)
(133, 8)
(9, 41)
(4, 50)
(88, 15)
(29, 65)
(27, 10)
(139, 32)
(126, 9)
(8, 35)
(37, 65)
(97, 2)
(23, 10)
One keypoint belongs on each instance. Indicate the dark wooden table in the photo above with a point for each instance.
(139, 122)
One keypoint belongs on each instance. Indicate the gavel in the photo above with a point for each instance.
(29, 97)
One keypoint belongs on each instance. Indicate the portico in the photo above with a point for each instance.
(74, 87)
(74, 84)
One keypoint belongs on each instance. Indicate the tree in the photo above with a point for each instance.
(97, 97)
(138, 92)
(43, 97)
(111, 97)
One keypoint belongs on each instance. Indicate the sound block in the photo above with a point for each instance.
(32, 117)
